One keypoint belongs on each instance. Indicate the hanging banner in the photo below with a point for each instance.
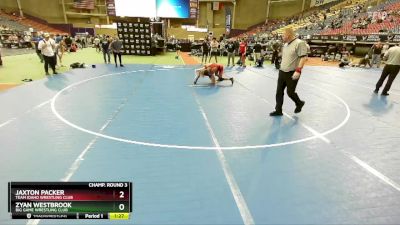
(194, 9)
(110, 5)
(368, 38)
(228, 20)
(215, 6)
(315, 3)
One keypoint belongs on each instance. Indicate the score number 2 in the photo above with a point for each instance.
(121, 195)
(121, 206)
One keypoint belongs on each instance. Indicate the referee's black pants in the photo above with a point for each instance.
(119, 55)
(391, 71)
(285, 81)
(49, 61)
(274, 57)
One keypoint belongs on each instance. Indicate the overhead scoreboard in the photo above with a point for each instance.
(70, 200)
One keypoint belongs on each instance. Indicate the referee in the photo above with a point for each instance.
(391, 69)
(294, 55)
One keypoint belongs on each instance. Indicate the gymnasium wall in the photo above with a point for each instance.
(281, 10)
(249, 13)
(49, 10)
(203, 14)
(8, 4)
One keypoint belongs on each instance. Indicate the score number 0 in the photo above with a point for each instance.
(121, 196)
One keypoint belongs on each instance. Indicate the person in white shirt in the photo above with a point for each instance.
(47, 47)
(60, 50)
(97, 44)
(27, 38)
(390, 70)
(214, 49)
(294, 56)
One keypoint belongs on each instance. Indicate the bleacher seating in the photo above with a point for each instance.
(340, 18)
(11, 24)
(390, 24)
(23, 24)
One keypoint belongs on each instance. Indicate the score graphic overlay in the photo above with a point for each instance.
(70, 200)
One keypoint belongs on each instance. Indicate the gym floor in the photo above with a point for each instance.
(200, 154)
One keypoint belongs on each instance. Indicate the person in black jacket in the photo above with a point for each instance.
(206, 50)
(105, 47)
(276, 55)
(35, 42)
(116, 48)
(257, 51)
(376, 54)
(230, 47)
(68, 42)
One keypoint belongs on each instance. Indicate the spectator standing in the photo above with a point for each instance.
(61, 48)
(214, 49)
(53, 37)
(178, 48)
(230, 47)
(35, 42)
(221, 48)
(97, 43)
(115, 47)
(257, 51)
(206, 50)
(242, 52)
(276, 47)
(105, 46)
(68, 42)
(83, 41)
(376, 54)
(47, 47)
(58, 39)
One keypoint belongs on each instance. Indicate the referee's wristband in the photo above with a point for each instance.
(298, 69)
